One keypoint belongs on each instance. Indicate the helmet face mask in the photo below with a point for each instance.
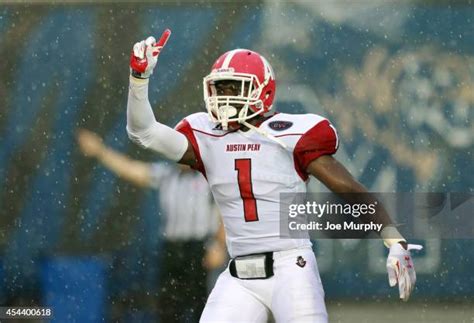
(250, 83)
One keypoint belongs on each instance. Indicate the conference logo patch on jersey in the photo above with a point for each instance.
(280, 125)
(300, 261)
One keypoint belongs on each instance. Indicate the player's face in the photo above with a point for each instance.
(234, 94)
(229, 87)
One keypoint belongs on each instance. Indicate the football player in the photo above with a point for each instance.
(250, 155)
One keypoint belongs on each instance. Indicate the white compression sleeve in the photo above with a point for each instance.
(143, 128)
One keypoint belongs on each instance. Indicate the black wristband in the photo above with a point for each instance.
(137, 75)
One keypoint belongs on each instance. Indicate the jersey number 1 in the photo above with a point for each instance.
(244, 177)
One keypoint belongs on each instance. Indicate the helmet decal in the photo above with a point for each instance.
(229, 57)
(268, 69)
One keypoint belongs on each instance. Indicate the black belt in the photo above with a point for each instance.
(254, 266)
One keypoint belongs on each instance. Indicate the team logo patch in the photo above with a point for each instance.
(280, 125)
(300, 261)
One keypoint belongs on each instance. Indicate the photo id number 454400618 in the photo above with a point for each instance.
(25, 312)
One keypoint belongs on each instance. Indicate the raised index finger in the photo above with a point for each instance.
(164, 38)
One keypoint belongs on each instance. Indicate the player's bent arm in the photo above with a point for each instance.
(334, 175)
(400, 266)
(143, 128)
(338, 179)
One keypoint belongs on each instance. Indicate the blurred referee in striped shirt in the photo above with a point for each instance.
(190, 219)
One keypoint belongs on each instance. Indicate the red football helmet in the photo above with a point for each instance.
(257, 89)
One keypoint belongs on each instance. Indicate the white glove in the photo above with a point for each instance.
(401, 270)
(145, 55)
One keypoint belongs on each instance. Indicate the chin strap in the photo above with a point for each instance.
(265, 134)
(230, 111)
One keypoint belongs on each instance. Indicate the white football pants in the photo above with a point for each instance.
(293, 294)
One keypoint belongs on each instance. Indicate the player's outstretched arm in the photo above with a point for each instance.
(142, 126)
(134, 171)
(400, 266)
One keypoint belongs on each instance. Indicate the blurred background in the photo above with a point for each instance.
(396, 79)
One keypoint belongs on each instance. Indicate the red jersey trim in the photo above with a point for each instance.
(185, 128)
(290, 134)
(316, 142)
(211, 134)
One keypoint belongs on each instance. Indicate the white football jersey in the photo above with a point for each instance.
(247, 172)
